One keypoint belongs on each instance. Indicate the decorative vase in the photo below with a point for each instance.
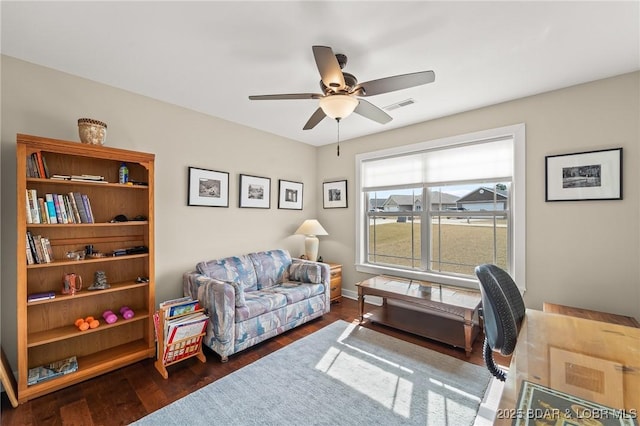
(92, 132)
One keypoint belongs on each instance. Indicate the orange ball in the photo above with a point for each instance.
(84, 326)
(94, 323)
(78, 322)
(89, 319)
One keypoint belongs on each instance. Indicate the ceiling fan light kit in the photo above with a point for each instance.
(342, 91)
(338, 106)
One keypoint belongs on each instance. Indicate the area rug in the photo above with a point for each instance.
(343, 374)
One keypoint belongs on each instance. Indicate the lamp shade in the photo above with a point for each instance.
(311, 227)
(338, 106)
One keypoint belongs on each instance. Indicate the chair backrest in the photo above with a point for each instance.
(503, 311)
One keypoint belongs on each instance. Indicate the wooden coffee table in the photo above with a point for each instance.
(443, 313)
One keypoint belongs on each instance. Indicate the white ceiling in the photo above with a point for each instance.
(210, 56)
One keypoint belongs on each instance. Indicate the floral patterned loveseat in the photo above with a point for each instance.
(253, 297)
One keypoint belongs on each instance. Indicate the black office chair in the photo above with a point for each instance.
(503, 310)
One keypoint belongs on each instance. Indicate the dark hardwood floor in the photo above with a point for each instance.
(130, 393)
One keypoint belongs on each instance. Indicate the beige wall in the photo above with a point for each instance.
(585, 253)
(41, 101)
(580, 253)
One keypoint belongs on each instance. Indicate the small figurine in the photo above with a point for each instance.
(100, 281)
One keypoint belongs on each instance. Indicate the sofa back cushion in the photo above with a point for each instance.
(235, 269)
(272, 267)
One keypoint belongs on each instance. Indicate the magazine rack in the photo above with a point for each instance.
(175, 351)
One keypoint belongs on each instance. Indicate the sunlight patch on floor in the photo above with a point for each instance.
(386, 388)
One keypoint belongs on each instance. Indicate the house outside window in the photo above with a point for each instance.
(436, 210)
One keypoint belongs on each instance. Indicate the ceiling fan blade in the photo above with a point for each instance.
(285, 96)
(372, 112)
(329, 67)
(397, 82)
(315, 119)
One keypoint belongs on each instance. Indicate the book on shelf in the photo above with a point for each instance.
(56, 205)
(88, 178)
(52, 370)
(51, 208)
(81, 210)
(28, 209)
(32, 247)
(32, 200)
(87, 207)
(39, 253)
(41, 296)
(74, 208)
(30, 259)
(61, 177)
(42, 210)
(63, 210)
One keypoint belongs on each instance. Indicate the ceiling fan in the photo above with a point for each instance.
(341, 91)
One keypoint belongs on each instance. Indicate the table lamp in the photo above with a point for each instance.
(311, 228)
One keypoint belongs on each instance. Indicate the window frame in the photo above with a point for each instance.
(517, 259)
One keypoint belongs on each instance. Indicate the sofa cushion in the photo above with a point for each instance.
(305, 272)
(295, 292)
(233, 269)
(259, 302)
(271, 267)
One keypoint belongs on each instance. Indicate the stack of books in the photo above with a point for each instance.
(80, 178)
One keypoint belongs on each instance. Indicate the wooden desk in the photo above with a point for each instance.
(589, 314)
(594, 360)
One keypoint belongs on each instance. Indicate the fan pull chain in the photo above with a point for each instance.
(338, 147)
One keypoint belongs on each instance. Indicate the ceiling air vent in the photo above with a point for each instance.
(400, 104)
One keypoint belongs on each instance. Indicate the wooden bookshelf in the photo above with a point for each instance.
(45, 328)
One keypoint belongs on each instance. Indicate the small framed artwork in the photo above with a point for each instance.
(593, 175)
(334, 194)
(208, 188)
(255, 192)
(289, 195)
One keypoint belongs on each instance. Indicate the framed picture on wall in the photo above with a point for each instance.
(208, 188)
(255, 192)
(289, 195)
(592, 175)
(334, 194)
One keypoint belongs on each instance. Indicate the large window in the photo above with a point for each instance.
(437, 210)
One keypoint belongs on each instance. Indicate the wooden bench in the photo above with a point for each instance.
(589, 314)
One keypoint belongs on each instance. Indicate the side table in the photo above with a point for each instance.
(336, 281)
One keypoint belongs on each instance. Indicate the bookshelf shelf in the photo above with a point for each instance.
(92, 365)
(71, 331)
(61, 183)
(60, 263)
(115, 287)
(45, 328)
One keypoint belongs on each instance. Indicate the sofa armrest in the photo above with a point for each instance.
(325, 274)
(219, 301)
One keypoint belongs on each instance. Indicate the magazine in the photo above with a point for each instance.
(51, 370)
